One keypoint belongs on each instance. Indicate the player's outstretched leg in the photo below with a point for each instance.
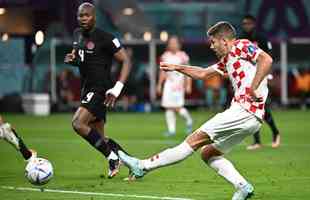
(275, 131)
(225, 168)
(9, 134)
(167, 157)
(188, 119)
(81, 124)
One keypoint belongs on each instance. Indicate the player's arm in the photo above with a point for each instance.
(71, 58)
(111, 95)
(191, 71)
(122, 57)
(264, 62)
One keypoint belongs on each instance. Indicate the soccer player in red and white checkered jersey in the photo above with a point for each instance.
(172, 86)
(247, 67)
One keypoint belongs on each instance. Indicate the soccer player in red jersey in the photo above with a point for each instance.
(247, 67)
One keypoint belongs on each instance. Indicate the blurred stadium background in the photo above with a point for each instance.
(36, 34)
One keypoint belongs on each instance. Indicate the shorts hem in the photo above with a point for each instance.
(98, 118)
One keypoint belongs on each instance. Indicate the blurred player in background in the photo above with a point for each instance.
(215, 92)
(173, 86)
(10, 135)
(93, 52)
(250, 33)
(247, 67)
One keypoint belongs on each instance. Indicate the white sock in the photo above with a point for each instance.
(4, 128)
(168, 156)
(171, 120)
(226, 169)
(185, 114)
(112, 156)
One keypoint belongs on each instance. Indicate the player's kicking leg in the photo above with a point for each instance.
(10, 135)
(209, 154)
(93, 133)
(167, 157)
(222, 131)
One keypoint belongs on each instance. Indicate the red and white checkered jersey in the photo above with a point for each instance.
(241, 65)
(175, 80)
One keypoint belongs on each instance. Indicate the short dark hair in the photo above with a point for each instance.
(223, 29)
(250, 17)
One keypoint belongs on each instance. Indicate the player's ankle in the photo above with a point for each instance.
(112, 156)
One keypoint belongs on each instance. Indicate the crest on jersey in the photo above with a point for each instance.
(90, 45)
(252, 48)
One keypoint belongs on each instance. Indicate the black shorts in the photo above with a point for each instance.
(93, 102)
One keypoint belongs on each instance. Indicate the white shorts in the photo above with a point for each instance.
(230, 127)
(172, 99)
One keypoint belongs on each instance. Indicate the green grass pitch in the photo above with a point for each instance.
(281, 174)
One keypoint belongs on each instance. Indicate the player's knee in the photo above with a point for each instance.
(198, 139)
(204, 153)
(207, 152)
(77, 125)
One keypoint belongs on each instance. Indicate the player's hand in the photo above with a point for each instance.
(254, 96)
(112, 94)
(167, 66)
(110, 100)
(69, 57)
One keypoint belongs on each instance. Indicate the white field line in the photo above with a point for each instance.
(150, 141)
(92, 193)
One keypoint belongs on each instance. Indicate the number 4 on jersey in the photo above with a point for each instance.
(81, 54)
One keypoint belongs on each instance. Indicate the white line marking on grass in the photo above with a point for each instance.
(147, 141)
(92, 193)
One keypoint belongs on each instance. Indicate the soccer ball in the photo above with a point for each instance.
(39, 171)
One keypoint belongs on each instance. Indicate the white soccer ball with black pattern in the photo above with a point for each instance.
(39, 171)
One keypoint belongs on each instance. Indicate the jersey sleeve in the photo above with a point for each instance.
(247, 50)
(220, 68)
(114, 44)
